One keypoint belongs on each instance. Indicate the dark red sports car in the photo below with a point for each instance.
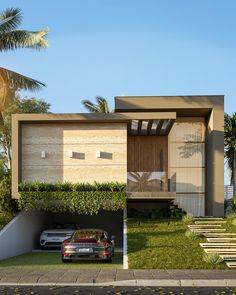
(88, 244)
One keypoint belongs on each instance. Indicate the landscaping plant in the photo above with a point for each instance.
(7, 204)
(188, 218)
(212, 258)
(234, 221)
(193, 235)
(80, 198)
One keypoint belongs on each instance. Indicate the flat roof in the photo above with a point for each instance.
(190, 105)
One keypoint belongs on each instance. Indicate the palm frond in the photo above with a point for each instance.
(90, 106)
(135, 176)
(103, 104)
(17, 81)
(10, 19)
(10, 82)
(23, 39)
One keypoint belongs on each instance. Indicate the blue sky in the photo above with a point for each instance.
(129, 47)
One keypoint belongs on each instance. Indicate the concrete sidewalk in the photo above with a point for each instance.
(117, 277)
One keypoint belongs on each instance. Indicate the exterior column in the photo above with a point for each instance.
(125, 248)
(215, 163)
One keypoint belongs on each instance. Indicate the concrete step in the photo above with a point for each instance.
(208, 230)
(225, 250)
(229, 257)
(210, 222)
(220, 240)
(231, 264)
(217, 245)
(207, 218)
(218, 235)
(204, 225)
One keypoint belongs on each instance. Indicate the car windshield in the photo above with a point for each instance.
(89, 236)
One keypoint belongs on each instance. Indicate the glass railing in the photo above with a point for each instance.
(155, 181)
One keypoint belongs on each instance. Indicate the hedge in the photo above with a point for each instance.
(48, 197)
(70, 187)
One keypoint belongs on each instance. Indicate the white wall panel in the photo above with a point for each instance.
(187, 154)
(192, 203)
(189, 179)
(187, 131)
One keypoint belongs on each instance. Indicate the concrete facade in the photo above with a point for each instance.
(21, 235)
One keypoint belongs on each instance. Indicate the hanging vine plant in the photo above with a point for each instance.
(79, 198)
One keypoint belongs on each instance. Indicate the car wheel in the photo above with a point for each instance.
(65, 260)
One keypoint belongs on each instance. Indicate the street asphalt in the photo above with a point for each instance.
(109, 290)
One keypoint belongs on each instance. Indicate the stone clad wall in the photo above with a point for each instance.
(84, 140)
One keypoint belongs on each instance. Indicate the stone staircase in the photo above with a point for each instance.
(218, 240)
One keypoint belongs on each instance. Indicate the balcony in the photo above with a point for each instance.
(151, 186)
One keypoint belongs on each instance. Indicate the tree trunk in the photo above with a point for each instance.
(9, 157)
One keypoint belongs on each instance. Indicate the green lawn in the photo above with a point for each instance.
(5, 218)
(162, 244)
(53, 260)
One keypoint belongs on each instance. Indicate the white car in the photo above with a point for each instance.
(56, 235)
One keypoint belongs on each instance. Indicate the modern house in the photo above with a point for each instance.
(164, 147)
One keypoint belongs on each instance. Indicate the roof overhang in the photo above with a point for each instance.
(146, 123)
(94, 117)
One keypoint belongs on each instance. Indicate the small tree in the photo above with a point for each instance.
(18, 105)
(7, 204)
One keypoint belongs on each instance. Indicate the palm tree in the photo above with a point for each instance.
(100, 107)
(12, 38)
(230, 146)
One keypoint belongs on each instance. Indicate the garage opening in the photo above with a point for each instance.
(112, 222)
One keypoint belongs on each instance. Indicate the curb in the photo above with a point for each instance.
(141, 283)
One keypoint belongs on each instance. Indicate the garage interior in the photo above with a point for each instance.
(112, 222)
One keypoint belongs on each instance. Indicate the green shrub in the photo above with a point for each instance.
(63, 187)
(231, 215)
(70, 187)
(212, 258)
(193, 235)
(188, 218)
(7, 204)
(234, 221)
(83, 187)
(156, 213)
(74, 202)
